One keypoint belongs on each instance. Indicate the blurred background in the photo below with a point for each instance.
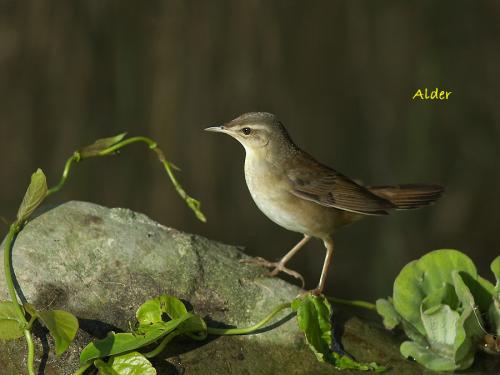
(339, 74)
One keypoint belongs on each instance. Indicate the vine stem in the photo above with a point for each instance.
(162, 346)
(31, 352)
(14, 229)
(7, 251)
(247, 330)
(355, 303)
(67, 166)
(152, 145)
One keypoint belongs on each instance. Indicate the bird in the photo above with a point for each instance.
(302, 195)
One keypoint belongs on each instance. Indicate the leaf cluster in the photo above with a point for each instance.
(439, 301)
(159, 320)
(62, 325)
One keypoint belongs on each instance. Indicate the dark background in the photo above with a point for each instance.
(339, 74)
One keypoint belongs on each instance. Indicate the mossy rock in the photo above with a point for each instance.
(101, 264)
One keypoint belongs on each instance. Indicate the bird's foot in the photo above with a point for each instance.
(277, 268)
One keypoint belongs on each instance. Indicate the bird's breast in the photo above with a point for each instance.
(271, 190)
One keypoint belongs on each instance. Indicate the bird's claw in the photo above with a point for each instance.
(277, 268)
(280, 268)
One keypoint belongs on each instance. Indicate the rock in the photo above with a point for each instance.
(101, 264)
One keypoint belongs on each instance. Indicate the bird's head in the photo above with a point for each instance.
(256, 131)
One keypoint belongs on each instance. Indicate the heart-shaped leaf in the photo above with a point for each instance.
(132, 363)
(10, 327)
(151, 311)
(100, 145)
(418, 279)
(62, 326)
(36, 193)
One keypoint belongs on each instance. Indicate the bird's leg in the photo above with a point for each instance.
(324, 272)
(280, 266)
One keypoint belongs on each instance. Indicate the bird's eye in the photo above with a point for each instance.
(246, 131)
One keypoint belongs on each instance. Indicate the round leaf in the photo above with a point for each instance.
(422, 277)
(426, 357)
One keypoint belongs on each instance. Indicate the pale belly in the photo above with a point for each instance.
(274, 198)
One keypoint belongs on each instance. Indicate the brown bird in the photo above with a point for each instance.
(302, 195)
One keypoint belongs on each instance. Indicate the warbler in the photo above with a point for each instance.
(302, 195)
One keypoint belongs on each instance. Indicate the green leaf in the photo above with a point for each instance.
(62, 326)
(440, 325)
(314, 319)
(36, 193)
(386, 309)
(10, 327)
(494, 309)
(132, 363)
(481, 289)
(494, 317)
(469, 327)
(420, 278)
(413, 334)
(344, 362)
(426, 357)
(116, 343)
(100, 145)
(495, 268)
(445, 295)
(151, 311)
(313, 316)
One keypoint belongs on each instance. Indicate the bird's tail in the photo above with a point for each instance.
(406, 197)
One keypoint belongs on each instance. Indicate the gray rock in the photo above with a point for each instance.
(101, 264)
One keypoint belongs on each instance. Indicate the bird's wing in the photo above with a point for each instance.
(321, 184)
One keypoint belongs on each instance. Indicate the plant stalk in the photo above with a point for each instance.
(355, 303)
(14, 229)
(248, 330)
(162, 346)
(7, 251)
(30, 362)
(67, 166)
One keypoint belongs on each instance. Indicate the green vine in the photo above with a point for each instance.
(121, 354)
(13, 316)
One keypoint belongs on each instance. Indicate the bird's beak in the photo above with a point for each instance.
(217, 129)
